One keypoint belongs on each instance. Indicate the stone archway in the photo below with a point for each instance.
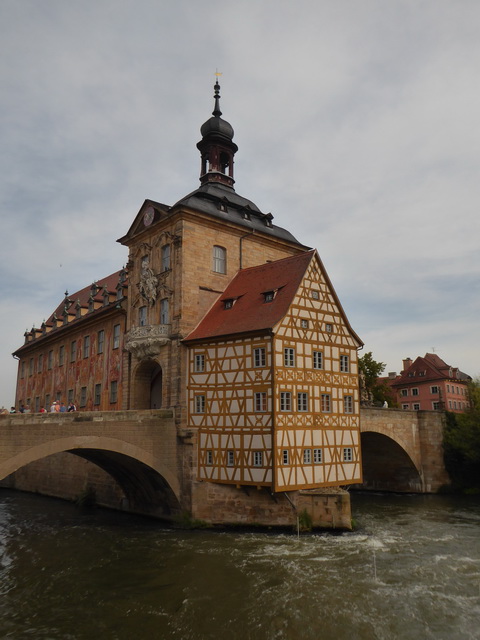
(387, 466)
(148, 386)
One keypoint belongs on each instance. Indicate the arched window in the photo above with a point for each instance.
(219, 259)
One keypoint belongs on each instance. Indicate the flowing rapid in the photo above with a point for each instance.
(410, 570)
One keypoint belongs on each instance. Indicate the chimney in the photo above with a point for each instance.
(406, 363)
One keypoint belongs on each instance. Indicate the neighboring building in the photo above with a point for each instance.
(76, 355)
(429, 383)
(226, 318)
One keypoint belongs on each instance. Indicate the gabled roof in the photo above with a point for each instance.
(249, 311)
(427, 368)
(159, 212)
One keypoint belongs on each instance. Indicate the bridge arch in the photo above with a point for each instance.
(149, 485)
(388, 465)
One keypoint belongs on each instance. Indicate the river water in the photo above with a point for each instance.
(411, 570)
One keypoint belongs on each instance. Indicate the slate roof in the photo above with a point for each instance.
(209, 197)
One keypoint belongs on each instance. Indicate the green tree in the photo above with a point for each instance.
(374, 390)
(461, 443)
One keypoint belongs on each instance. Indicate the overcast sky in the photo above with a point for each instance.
(357, 123)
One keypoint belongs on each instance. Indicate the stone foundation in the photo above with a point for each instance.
(66, 476)
(222, 504)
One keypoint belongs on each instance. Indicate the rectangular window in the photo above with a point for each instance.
(219, 259)
(302, 401)
(434, 389)
(22, 369)
(326, 403)
(209, 457)
(315, 294)
(166, 257)
(30, 367)
(405, 407)
(116, 336)
(317, 456)
(304, 324)
(259, 357)
(347, 454)
(113, 391)
(448, 388)
(37, 404)
(69, 397)
(285, 456)
(83, 396)
(404, 393)
(164, 313)
(307, 456)
(329, 327)
(142, 316)
(98, 394)
(73, 350)
(50, 360)
(347, 404)
(261, 401)
(199, 362)
(257, 458)
(100, 341)
(47, 402)
(285, 401)
(289, 357)
(40, 363)
(344, 364)
(61, 356)
(317, 360)
(86, 347)
(414, 391)
(230, 458)
(200, 404)
(416, 407)
(436, 406)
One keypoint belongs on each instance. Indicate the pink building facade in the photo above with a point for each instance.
(430, 384)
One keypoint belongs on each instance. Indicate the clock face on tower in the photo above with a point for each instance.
(148, 216)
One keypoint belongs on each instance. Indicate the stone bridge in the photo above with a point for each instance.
(142, 451)
(153, 461)
(402, 450)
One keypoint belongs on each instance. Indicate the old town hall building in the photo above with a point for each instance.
(224, 317)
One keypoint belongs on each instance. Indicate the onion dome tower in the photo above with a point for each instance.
(217, 147)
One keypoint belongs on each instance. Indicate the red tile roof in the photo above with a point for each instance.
(250, 312)
(427, 368)
(83, 296)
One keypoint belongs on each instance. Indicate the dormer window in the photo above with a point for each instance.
(228, 304)
(106, 299)
(91, 305)
(119, 293)
(246, 215)
(268, 220)
(268, 296)
(222, 207)
(78, 310)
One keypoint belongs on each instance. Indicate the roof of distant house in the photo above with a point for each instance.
(428, 367)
